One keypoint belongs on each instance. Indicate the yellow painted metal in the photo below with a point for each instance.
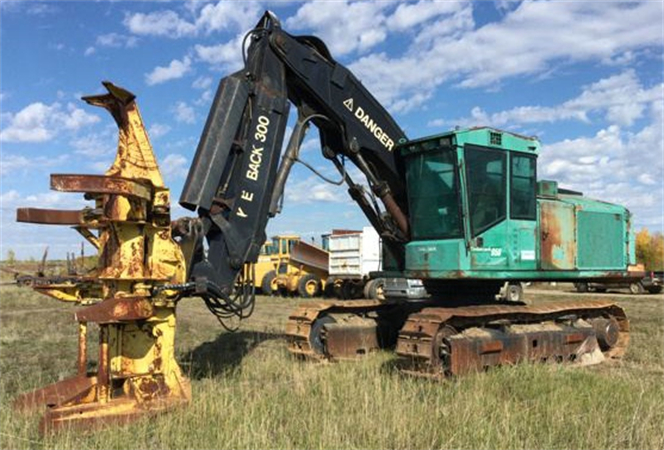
(264, 264)
(137, 370)
(288, 272)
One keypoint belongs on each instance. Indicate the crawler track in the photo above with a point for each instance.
(301, 322)
(438, 341)
(442, 341)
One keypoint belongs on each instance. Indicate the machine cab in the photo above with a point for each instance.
(472, 202)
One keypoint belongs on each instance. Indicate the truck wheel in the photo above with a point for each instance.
(581, 287)
(268, 285)
(333, 287)
(369, 289)
(636, 288)
(308, 286)
(374, 289)
(514, 293)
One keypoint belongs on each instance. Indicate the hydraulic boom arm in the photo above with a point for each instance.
(236, 179)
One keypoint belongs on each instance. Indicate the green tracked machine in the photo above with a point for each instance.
(479, 213)
(462, 211)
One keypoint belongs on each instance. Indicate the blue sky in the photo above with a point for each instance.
(585, 77)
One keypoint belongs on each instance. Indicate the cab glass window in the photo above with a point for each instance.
(523, 185)
(485, 172)
(433, 194)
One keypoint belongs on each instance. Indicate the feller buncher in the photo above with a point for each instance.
(460, 210)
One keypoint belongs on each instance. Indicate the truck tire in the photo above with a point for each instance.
(308, 286)
(514, 292)
(374, 289)
(333, 287)
(368, 288)
(581, 286)
(636, 288)
(266, 284)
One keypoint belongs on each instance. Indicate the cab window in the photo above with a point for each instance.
(485, 172)
(523, 185)
(433, 194)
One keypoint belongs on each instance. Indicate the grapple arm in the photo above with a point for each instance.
(236, 179)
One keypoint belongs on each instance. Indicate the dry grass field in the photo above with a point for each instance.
(249, 393)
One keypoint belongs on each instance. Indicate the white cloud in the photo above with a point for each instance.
(89, 51)
(174, 166)
(59, 46)
(184, 113)
(344, 26)
(95, 145)
(158, 130)
(176, 69)
(116, 40)
(408, 15)
(41, 9)
(225, 15)
(614, 165)
(227, 55)
(527, 41)
(202, 82)
(21, 165)
(159, 23)
(9, 197)
(39, 122)
(221, 16)
(205, 98)
(620, 99)
(312, 190)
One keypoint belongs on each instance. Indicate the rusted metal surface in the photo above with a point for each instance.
(437, 341)
(90, 416)
(48, 216)
(351, 338)
(558, 238)
(100, 184)
(301, 321)
(491, 335)
(82, 361)
(103, 375)
(116, 310)
(395, 211)
(309, 255)
(59, 393)
(477, 349)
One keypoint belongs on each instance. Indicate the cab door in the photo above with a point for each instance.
(522, 245)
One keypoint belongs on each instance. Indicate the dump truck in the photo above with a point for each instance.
(354, 255)
(461, 210)
(298, 268)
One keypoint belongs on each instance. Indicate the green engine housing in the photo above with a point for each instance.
(477, 212)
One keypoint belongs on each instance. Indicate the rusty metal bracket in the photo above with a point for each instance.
(48, 216)
(100, 184)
